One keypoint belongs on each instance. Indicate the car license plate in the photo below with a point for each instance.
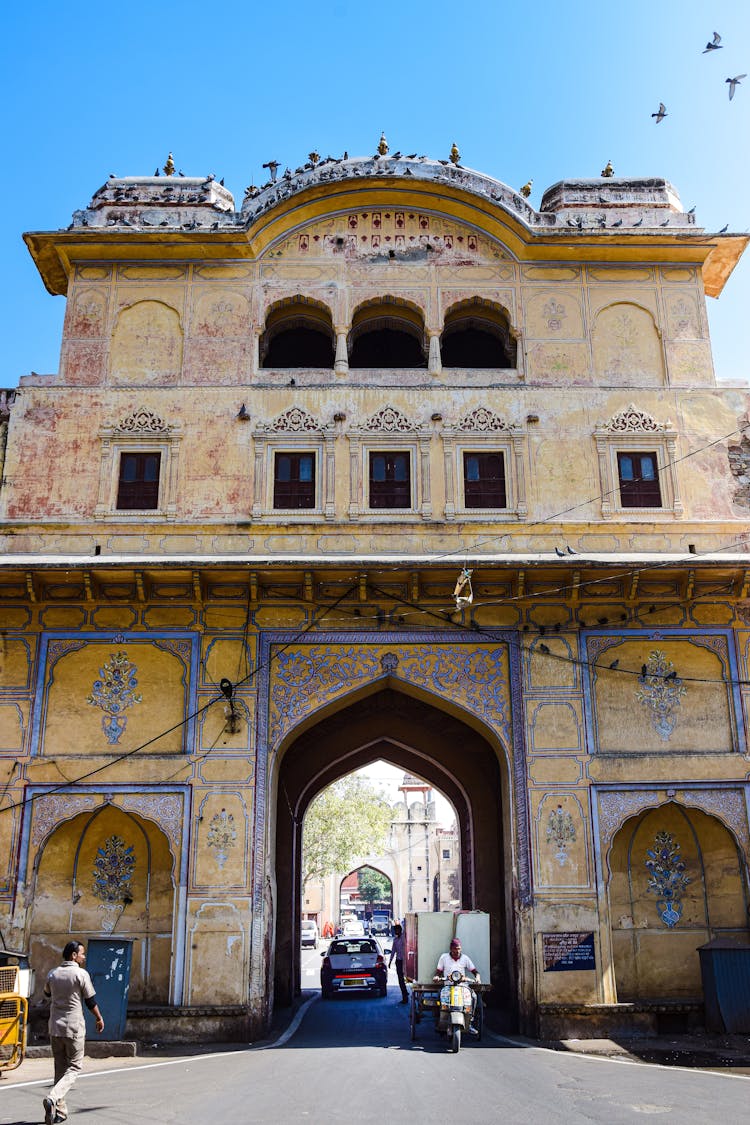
(352, 983)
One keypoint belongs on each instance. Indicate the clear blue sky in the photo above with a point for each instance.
(526, 90)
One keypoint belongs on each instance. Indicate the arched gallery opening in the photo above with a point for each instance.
(428, 739)
(677, 879)
(477, 334)
(387, 334)
(298, 333)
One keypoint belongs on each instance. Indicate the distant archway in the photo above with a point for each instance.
(425, 740)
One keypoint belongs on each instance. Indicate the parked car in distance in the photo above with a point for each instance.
(352, 964)
(353, 930)
(309, 932)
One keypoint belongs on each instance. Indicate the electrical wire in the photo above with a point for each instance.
(28, 799)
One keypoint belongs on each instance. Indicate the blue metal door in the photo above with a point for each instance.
(108, 961)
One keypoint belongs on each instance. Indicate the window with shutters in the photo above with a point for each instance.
(484, 479)
(138, 486)
(638, 474)
(390, 479)
(294, 480)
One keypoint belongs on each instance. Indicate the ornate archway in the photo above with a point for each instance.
(422, 738)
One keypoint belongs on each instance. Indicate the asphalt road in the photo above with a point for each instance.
(351, 1061)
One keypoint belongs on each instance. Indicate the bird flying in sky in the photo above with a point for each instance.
(714, 45)
(734, 83)
(661, 114)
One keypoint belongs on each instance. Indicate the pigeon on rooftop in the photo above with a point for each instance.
(724, 229)
(714, 44)
(734, 83)
(661, 113)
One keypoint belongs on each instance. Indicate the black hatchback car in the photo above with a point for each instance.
(353, 964)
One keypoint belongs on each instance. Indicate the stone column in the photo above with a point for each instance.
(354, 476)
(449, 453)
(255, 352)
(426, 498)
(341, 362)
(434, 362)
(329, 494)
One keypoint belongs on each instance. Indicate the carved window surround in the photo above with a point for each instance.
(294, 431)
(483, 431)
(389, 430)
(635, 430)
(143, 431)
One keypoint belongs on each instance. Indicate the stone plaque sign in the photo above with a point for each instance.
(564, 952)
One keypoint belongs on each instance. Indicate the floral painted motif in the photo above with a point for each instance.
(114, 693)
(554, 313)
(114, 867)
(222, 835)
(561, 831)
(668, 879)
(661, 692)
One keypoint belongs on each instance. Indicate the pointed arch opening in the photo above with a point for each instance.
(426, 742)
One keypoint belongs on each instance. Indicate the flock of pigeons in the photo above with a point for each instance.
(714, 44)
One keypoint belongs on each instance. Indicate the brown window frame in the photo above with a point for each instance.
(639, 491)
(486, 491)
(389, 493)
(294, 494)
(138, 494)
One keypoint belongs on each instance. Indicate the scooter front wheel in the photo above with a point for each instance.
(456, 1040)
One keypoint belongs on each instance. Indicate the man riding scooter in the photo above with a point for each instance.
(455, 966)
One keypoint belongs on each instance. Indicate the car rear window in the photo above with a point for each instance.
(352, 947)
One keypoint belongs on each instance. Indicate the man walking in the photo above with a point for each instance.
(397, 951)
(69, 987)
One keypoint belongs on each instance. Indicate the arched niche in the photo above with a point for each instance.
(477, 333)
(677, 879)
(106, 871)
(387, 332)
(627, 346)
(298, 333)
(147, 345)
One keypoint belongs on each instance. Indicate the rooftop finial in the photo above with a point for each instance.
(382, 145)
(526, 189)
(608, 171)
(455, 155)
(169, 166)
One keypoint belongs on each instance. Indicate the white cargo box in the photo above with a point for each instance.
(428, 935)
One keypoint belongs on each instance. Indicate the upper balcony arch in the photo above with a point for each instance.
(298, 332)
(387, 331)
(478, 333)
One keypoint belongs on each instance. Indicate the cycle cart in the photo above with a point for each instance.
(13, 1020)
(425, 1001)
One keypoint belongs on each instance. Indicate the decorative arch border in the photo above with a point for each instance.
(47, 807)
(507, 729)
(728, 803)
(295, 300)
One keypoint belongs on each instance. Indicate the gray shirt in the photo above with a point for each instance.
(68, 986)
